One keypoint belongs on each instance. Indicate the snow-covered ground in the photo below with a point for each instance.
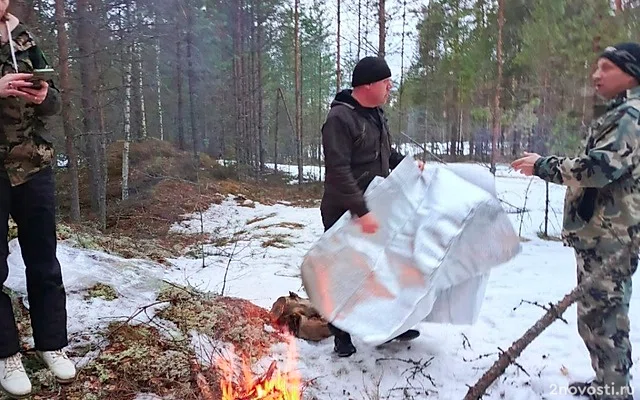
(438, 365)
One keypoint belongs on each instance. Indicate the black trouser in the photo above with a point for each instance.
(330, 215)
(32, 207)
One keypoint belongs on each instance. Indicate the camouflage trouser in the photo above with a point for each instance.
(603, 319)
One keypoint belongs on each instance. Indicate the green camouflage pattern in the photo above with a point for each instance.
(603, 320)
(601, 222)
(23, 147)
(604, 182)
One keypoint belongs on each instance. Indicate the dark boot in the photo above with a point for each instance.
(342, 342)
(403, 337)
(580, 389)
(408, 335)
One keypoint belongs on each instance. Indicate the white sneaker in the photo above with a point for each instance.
(13, 378)
(61, 366)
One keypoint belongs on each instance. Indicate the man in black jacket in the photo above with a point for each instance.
(357, 148)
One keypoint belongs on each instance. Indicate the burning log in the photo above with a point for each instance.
(272, 385)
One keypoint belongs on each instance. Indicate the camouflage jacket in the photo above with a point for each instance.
(602, 200)
(24, 148)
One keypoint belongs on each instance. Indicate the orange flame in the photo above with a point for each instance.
(272, 385)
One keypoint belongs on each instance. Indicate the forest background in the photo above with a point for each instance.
(250, 81)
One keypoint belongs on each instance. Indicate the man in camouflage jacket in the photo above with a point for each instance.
(602, 219)
(27, 194)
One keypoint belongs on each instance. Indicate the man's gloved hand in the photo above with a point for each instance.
(368, 223)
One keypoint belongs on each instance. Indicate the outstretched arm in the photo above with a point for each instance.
(613, 155)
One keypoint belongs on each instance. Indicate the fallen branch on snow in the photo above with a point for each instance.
(417, 368)
(508, 357)
(535, 303)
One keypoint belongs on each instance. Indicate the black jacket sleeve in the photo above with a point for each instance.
(337, 145)
(395, 158)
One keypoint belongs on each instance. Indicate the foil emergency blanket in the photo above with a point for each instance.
(441, 232)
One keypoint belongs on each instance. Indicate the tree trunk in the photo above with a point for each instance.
(261, 147)
(127, 127)
(63, 67)
(192, 84)
(158, 86)
(453, 126)
(460, 129)
(275, 133)
(338, 72)
(102, 147)
(286, 110)
(298, 85)
(237, 84)
(143, 112)
(24, 10)
(246, 103)
(359, 27)
(254, 154)
(496, 101)
(223, 126)
(382, 23)
(320, 116)
(404, 24)
(180, 117)
(88, 78)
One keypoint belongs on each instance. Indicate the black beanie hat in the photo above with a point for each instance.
(626, 56)
(370, 70)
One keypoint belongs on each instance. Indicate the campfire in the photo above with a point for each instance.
(274, 384)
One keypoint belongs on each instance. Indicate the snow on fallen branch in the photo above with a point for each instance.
(508, 357)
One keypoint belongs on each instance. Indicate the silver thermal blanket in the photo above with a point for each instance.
(441, 232)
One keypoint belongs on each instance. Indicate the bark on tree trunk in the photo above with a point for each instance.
(158, 87)
(127, 127)
(275, 133)
(338, 72)
(298, 93)
(237, 84)
(261, 146)
(192, 85)
(359, 27)
(143, 111)
(63, 67)
(89, 107)
(496, 102)
(102, 149)
(180, 116)
(400, 105)
(320, 116)
(24, 10)
(254, 153)
(382, 23)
